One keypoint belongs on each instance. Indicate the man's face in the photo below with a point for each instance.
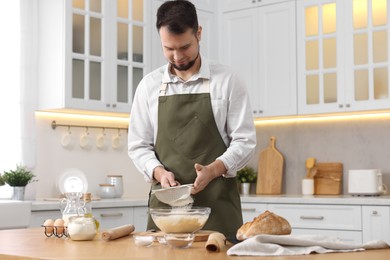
(182, 50)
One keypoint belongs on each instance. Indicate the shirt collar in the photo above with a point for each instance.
(204, 72)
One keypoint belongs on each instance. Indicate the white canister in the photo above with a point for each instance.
(117, 181)
(308, 186)
(106, 191)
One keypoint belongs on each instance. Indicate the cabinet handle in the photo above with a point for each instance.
(260, 111)
(249, 210)
(340, 106)
(374, 212)
(348, 105)
(108, 105)
(253, 1)
(110, 215)
(114, 105)
(313, 217)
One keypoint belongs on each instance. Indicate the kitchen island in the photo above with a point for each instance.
(33, 244)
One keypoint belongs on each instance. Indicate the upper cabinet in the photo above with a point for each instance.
(260, 42)
(234, 5)
(207, 18)
(342, 55)
(92, 53)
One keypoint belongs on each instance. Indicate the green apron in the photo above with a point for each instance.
(187, 134)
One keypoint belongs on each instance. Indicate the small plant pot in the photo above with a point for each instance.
(18, 192)
(245, 188)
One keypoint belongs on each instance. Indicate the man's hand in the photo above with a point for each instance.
(205, 174)
(164, 177)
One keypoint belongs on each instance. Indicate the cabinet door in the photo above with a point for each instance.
(234, 5)
(376, 223)
(320, 56)
(252, 210)
(277, 60)
(113, 217)
(240, 49)
(367, 55)
(140, 218)
(38, 217)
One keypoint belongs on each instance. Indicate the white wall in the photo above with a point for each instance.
(52, 159)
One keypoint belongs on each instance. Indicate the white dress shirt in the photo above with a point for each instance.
(231, 109)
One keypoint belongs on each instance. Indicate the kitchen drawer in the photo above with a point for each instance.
(252, 210)
(140, 218)
(337, 217)
(113, 217)
(353, 237)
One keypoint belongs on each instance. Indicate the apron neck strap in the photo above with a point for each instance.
(205, 87)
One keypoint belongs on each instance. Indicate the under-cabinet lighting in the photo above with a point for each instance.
(86, 117)
(324, 118)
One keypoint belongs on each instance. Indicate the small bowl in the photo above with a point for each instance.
(176, 240)
(145, 241)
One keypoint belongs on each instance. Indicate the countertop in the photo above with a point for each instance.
(54, 203)
(33, 244)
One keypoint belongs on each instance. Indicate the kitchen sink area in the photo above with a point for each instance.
(14, 214)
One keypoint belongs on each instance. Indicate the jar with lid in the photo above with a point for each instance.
(82, 228)
(86, 209)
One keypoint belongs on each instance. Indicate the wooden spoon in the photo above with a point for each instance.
(310, 162)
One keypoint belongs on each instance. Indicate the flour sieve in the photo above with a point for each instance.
(176, 196)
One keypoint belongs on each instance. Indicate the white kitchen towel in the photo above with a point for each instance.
(277, 245)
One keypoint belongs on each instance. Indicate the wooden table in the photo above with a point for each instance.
(33, 244)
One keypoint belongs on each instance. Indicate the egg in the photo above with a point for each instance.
(49, 226)
(59, 224)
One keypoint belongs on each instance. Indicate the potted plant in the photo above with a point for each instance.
(18, 180)
(246, 176)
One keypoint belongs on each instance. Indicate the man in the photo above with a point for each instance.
(191, 122)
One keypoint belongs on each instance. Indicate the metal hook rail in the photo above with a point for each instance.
(54, 125)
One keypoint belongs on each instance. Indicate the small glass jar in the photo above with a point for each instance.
(82, 228)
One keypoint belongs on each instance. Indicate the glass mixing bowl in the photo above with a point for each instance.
(180, 220)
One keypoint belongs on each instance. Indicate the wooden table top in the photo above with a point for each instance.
(33, 244)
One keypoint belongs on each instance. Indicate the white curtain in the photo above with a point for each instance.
(17, 85)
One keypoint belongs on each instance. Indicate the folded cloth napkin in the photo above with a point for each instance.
(117, 232)
(273, 245)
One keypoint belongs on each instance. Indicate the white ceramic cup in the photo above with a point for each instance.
(307, 186)
(116, 142)
(101, 141)
(85, 141)
(67, 140)
(106, 191)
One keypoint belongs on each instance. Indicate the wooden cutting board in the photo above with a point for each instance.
(270, 171)
(329, 178)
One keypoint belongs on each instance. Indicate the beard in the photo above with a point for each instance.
(185, 66)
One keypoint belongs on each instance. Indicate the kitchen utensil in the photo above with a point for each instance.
(310, 162)
(101, 141)
(176, 196)
(117, 232)
(116, 141)
(85, 141)
(180, 220)
(328, 179)
(270, 170)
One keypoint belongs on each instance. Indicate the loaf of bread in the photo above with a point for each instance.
(266, 223)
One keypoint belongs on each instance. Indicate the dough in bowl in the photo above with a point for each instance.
(266, 223)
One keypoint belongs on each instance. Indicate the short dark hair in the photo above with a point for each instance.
(178, 16)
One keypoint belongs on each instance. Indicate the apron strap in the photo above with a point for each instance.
(205, 87)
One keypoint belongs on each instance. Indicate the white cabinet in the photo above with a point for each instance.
(252, 210)
(260, 43)
(107, 217)
(207, 18)
(233, 5)
(376, 223)
(343, 62)
(92, 54)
